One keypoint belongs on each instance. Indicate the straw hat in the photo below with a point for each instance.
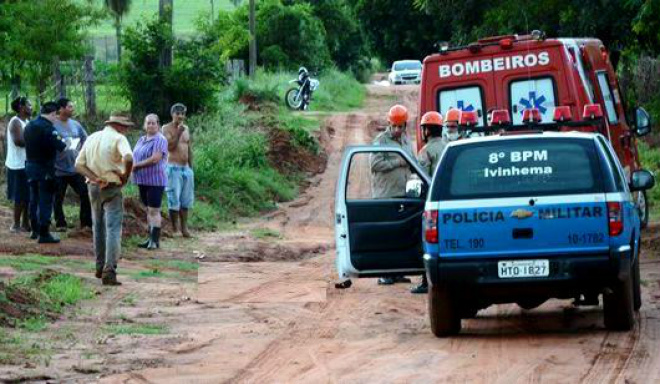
(121, 118)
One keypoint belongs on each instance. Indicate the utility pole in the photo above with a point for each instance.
(253, 40)
(212, 10)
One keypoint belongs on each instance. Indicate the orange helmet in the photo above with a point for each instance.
(431, 118)
(453, 116)
(398, 115)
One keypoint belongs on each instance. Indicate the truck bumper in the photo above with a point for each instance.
(570, 275)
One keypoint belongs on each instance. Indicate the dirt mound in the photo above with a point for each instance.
(262, 251)
(135, 219)
(18, 302)
(287, 157)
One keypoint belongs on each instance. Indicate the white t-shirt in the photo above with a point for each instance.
(15, 154)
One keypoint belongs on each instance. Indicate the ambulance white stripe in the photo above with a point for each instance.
(518, 201)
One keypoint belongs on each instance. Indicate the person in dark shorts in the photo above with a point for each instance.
(149, 173)
(18, 190)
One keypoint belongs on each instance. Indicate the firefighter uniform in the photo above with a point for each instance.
(429, 156)
(389, 171)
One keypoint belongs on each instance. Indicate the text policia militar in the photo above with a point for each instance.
(503, 63)
(518, 157)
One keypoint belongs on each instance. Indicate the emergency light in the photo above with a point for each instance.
(531, 115)
(592, 112)
(500, 117)
(468, 118)
(562, 113)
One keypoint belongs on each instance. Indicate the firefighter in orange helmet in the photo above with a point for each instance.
(431, 124)
(390, 171)
(452, 118)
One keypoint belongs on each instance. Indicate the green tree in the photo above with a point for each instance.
(646, 25)
(118, 8)
(398, 30)
(193, 78)
(38, 32)
(345, 38)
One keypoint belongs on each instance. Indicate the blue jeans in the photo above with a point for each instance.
(107, 216)
(180, 187)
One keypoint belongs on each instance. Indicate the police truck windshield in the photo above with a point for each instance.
(514, 168)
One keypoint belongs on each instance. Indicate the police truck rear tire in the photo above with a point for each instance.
(443, 312)
(618, 305)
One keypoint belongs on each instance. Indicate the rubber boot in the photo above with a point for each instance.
(145, 243)
(174, 217)
(184, 223)
(46, 238)
(35, 231)
(154, 243)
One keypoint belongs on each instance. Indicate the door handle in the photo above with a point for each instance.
(343, 235)
(402, 208)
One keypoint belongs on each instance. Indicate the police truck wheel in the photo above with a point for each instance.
(443, 313)
(618, 306)
(637, 289)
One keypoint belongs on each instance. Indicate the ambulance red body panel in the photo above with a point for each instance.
(558, 77)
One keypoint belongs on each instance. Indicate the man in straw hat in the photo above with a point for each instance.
(106, 161)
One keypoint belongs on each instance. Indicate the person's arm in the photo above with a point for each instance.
(154, 159)
(56, 140)
(16, 133)
(124, 149)
(173, 135)
(83, 136)
(190, 151)
(386, 162)
(81, 168)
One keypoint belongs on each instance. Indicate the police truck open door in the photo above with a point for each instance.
(378, 231)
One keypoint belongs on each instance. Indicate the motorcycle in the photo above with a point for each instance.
(298, 98)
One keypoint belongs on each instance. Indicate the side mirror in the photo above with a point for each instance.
(642, 180)
(414, 187)
(642, 122)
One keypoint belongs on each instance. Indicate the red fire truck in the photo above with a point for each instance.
(531, 82)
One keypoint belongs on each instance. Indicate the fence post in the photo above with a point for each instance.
(90, 91)
(60, 87)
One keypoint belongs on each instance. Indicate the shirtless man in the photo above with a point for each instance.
(180, 178)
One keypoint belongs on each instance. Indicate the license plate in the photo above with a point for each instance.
(523, 268)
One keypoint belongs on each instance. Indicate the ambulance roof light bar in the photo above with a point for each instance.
(562, 113)
(468, 119)
(531, 115)
(592, 112)
(500, 117)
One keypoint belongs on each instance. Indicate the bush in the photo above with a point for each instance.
(231, 163)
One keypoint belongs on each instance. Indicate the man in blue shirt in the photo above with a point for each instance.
(74, 135)
(42, 142)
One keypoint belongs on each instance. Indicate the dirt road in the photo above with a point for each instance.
(268, 312)
(264, 310)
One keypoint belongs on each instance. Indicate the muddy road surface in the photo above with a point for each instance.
(271, 312)
(265, 310)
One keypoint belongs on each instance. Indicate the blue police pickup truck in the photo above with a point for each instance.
(506, 219)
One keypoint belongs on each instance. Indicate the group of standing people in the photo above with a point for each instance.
(390, 172)
(53, 152)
